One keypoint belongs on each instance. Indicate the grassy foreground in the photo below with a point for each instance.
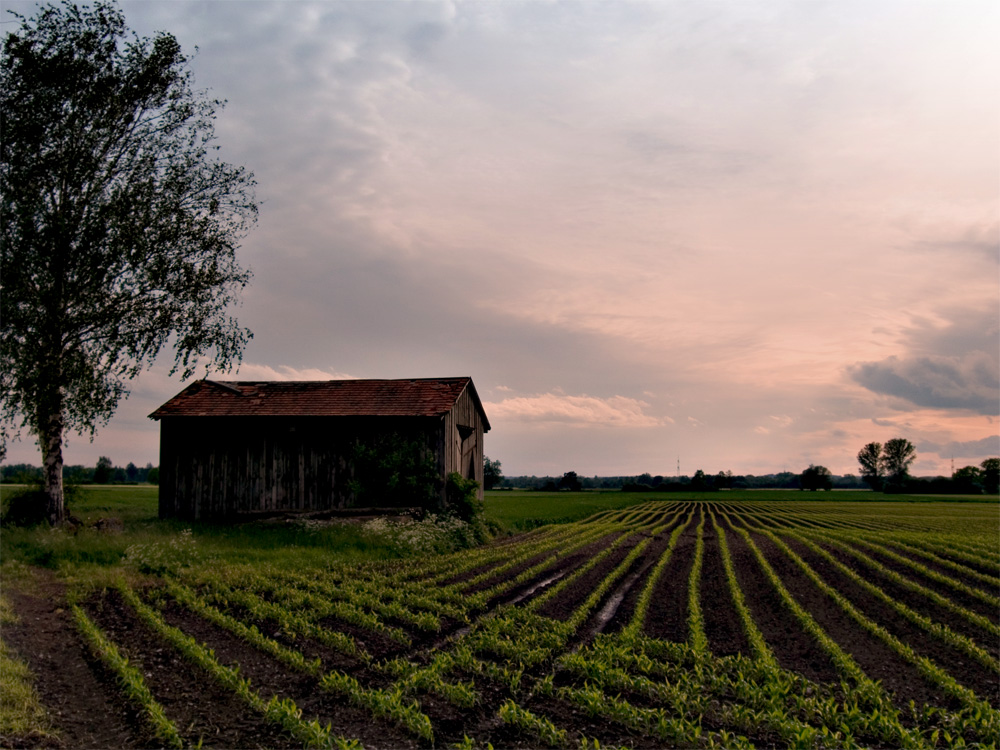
(78, 555)
(143, 536)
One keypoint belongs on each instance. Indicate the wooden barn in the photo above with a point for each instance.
(232, 448)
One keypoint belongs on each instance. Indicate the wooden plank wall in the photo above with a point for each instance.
(218, 467)
(464, 453)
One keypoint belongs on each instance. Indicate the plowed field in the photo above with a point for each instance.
(669, 624)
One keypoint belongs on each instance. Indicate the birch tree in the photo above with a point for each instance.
(119, 224)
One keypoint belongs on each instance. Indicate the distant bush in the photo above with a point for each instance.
(26, 507)
(816, 478)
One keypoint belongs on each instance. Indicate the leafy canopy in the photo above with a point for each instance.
(119, 225)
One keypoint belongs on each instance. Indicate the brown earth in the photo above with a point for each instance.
(938, 613)
(723, 625)
(667, 615)
(794, 649)
(69, 683)
(875, 658)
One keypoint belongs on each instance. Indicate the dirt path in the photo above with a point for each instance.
(84, 706)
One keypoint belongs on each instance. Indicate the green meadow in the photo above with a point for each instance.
(309, 543)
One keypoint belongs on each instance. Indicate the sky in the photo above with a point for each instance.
(746, 236)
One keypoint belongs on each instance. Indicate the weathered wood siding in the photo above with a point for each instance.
(215, 467)
(463, 430)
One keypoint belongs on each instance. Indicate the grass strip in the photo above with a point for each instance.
(696, 622)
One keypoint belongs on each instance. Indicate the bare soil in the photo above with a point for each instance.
(794, 649)
(71, 685)
(875, 658)
(667, 615)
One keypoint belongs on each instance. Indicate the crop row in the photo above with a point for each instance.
(544, 639)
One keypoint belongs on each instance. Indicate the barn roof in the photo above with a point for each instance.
(419, 397)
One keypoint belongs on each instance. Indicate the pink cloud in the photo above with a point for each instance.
(589, 411)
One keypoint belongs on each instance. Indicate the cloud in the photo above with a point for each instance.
(251, 371)
(777, 422)
(978, 238)
(949, 359)
(748, 207)
(987, 446)
(588, 411)
(969, 382)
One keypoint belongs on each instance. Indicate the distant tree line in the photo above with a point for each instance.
(104, 472)
(884, 468)
(699, 482)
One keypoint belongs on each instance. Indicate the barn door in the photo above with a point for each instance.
(467, 452)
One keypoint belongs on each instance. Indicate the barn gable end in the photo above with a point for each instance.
(232, 448)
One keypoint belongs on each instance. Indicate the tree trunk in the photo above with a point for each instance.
(50, 439)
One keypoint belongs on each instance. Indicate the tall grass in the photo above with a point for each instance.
(70, 550)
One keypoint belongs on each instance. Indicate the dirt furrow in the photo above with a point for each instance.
(794, 649)
(918, 602)
(270, 677)
(875, 658)
(959, 597)
(631, 588)
(722, 622)
(205, 714)
(960, 666)
(563, 604)
(72, 686)
(667, 615)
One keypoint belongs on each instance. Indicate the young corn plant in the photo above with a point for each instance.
(539, 726)
(281, 712)
(696, 623)
(390, 704)
(130, 680)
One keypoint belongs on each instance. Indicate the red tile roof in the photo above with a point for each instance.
(422, 397)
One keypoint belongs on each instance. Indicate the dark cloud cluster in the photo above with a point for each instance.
(952, 366)
(987, 446)
(969, 382)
